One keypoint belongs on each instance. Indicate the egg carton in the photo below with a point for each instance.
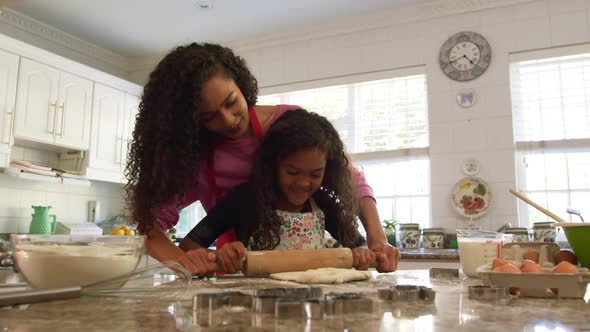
(514, 251)
(547, 284)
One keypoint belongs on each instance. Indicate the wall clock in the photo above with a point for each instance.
(465, 56)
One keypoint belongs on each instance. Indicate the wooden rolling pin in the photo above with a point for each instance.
(266, 262)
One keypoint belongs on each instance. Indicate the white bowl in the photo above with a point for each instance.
(51, 261)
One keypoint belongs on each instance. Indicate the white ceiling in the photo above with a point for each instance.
(143, 28)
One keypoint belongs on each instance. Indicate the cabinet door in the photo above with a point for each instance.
(36, 101)
(73, 112)
(131, 109)
(8, 76)
(107, 131)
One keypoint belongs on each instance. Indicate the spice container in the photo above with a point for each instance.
(544, 231)
(433, 238)
(519, 234)
(409, 236)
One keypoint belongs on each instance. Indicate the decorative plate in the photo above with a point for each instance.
(471, 197)
(466, 98)
(470, 166)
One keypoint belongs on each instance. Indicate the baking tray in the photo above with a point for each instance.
(566, 285)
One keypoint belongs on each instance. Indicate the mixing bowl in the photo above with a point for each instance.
(578, 235)
(51, 261)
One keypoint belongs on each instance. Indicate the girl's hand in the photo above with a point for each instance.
(231, 257)
(200, 262)
(362, 258)
(387, 256)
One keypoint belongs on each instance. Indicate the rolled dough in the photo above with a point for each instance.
(328, 275)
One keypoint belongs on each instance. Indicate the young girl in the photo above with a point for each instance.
(195, 137)
(300, 186)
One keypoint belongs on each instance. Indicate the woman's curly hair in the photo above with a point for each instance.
(294, 131)
(168, 140)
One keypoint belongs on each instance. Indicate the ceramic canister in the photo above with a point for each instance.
(544, 231)
(433, 238)
(519, 234)
(409, 236)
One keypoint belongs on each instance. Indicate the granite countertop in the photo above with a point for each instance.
(452, 310)
(430, 254)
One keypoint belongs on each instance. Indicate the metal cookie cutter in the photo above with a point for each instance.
(407, 293)
(347, 304)
(299, 292)
(426, 294)
(488, 293)
(208, 308)
(215, 301)
(442, 272)
(289, 308)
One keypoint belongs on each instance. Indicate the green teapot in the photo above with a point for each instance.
(41, 223)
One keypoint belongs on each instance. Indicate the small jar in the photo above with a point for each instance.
(544, 231)
(519, 234)
(433, 238)
(409, 236)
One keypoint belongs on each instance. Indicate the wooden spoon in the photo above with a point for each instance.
(537, 206)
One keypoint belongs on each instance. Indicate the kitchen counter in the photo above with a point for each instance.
(452, 310)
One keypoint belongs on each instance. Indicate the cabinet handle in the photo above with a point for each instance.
(7, 131)
(118, 148)
(51, 117)
(62, 114)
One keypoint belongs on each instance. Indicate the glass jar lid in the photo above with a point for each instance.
(433, 231)
(547, 224)
(409, 226)
(516, 230)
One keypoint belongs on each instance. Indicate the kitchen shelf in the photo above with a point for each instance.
(15, 172)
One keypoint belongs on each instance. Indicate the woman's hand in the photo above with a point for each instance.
(387, 256)
(362, 258)
(200, 262)
(231, 257)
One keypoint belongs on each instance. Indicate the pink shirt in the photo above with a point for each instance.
(233, 164)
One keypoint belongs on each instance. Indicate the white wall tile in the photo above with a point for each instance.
(499, 133)
(439, 106)
(60, 206)
(469, 136)
(499, 166)
(441, 138)
(445, 169)
(504, 201)
(569, 28)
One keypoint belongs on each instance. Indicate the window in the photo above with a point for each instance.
(551, 114)
(188, 218)
(384, 124)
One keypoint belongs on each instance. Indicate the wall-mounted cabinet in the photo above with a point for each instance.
(51, 103)
(113, 120)
(53, 106)
(8, 79)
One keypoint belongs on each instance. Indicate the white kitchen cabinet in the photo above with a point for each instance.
(8, 80)
(53, 106)
(113, 121)
(131, 110)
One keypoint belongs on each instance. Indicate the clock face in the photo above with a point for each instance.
(465, 56)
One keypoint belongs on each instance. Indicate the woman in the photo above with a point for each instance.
(195, 137)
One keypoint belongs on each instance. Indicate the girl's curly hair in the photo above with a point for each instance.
(294, 131)
(168, 141)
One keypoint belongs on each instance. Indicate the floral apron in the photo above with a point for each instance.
(302, 230)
